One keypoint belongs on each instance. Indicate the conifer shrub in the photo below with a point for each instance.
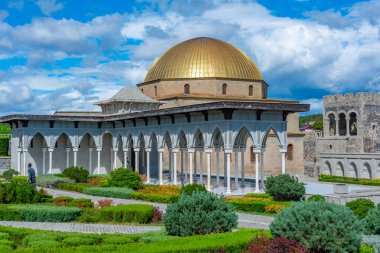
(125, 178)
(371, 223)
(284, 188)
(319, 226)
(191, 188)
(316, 197)
(199, 214)
(78, 174)
(360, 207)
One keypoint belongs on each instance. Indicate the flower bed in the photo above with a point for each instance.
(158, 193)
(349, 180)
(112, 192)
(257, 204)
(52, 180)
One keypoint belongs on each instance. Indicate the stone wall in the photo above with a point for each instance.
(5, 163)
(309, 154)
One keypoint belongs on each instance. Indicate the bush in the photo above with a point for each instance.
(104, 203)
(79, 187)
(263, 244)
(9, 173)
(18, 191)
(349, 180)
(200, 213)
(284, 188)
(47, 213)
(371, 222)
(319, 226)
(133, 213)
(157, 215)
(154, 197)
(4, 145)
(62, 201)
(367, 249)
(316, 197)
(81, 203)
(89, 215)
(360, 207)
(111, 192)
(78, 174)
(160, 189)
(49, 181)
(256, 205)
(125, 178)
(77, 241)
(274, 208)
(9, 214)
(191, 188)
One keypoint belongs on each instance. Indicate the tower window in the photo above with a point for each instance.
(250, 90)
(224, 89)
(186, 89)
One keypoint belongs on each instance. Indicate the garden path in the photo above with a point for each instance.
(82, 228)
(244, 221)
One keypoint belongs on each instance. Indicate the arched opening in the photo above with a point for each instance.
(106, 154)
(167, 159)
(62, 146)
(339, 171)
(224, 89)
(366, 171)
(131, 154)
(142, 155)
(342, 124)
(153, 157)
(87, 154)
(119, 153)
(184, 168)
(250, 90)
(353, 124)
(38, 159)
(289, 152)
(332, 124)
(352, 170)
(186, 89)
(199, 145)
(218, 144)
(155, 91)
(272, 155)
(326, 169)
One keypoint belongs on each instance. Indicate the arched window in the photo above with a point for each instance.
(342, 124)
(332, 124)
(186, 90)
(353, 124)
(155, 91)
(224, 89)
(250, 90)
(290, 152)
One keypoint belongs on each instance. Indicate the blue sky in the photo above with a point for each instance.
(66, 55)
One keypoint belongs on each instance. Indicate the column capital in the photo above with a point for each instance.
(136, 149)
(99, 149)
(126, 149)
(25, 150)
(228, 151)
(44, 149)
(208, 150)
(283, 150)
(75, 149)
(257, 150)
(175, 150)
(50, 149)
(160, 150)
(68, 149)
(115, 149)
(19, 150)
(148, 149)
(191, 150)
(91, 149)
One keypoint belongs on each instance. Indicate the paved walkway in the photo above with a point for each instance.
(244, 220)
(82, 228)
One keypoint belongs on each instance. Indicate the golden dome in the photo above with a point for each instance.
(203, 58)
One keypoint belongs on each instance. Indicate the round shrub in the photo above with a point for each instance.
(81, 203)
(9, 173)
(200, 213)
(191, 188)
(360, 207)
(316, 197)
(371, 223)
(319, 226)
(284, 188)
(125, 178)
(79, 174)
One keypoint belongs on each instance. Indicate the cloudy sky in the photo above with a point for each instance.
(66, 55)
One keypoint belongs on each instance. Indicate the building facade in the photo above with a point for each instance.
(350, 145)
(202, 115)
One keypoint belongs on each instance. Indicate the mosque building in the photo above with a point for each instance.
(202, 115)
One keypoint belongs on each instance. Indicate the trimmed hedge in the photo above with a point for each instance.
(52, 180)
(79, 187)
(81, 203)
(45, 213)
(154, 197)
(349, 180)
(256, 206)
(4, 145)
(111, 192)
(133, 213)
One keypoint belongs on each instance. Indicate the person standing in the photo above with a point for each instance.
(31, 175)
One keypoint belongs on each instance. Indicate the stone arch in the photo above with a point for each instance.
(366, 171)
(352, 170)
(36, 147)
(217, 139)
(153, 156)
(326, 169)
(353, 130)
(62, 145)
(198, 141)
(241, 137)
(267, 133)
(182, 140)
(30, 139)
(339, 170)
(62, 135)
(342, 124)
(106, 153)
(332, 123)
(167, 140)
(87, 152)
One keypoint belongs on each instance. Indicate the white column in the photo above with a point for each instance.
(228, 170)
(242, 168)
(137, 165)
(75, 150)
(217, 167)
(90, 160)
(98, 168)
(115, 157)
(262, 168)
(50, 160)
(201, 166)
(125, 157)
(208, 153)
(160, 152)
(283, 160)
(175, 152)
(257, 188)
(195, 167)
(19, 160)
(236, 168)
(24, 152)
(182, 171)
(68, 157)
(191, 165)
(148, 150)
(44, 160)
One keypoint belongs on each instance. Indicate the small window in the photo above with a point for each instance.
(290, 152)
(224, 89)
(186, 90)
(155, 91)
(250, 90)
(142, 90)
(330, 146)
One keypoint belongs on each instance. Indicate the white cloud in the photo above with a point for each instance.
(49, 6)
(316, 104)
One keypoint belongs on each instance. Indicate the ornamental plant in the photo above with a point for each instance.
(264, 244)
(191, 188)
(125, 178)
(371, 223)
(9, 173)
(199, 214)
(360, 207)
(319, 226)
(284, 188)
(316, 197)
(79, 174)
